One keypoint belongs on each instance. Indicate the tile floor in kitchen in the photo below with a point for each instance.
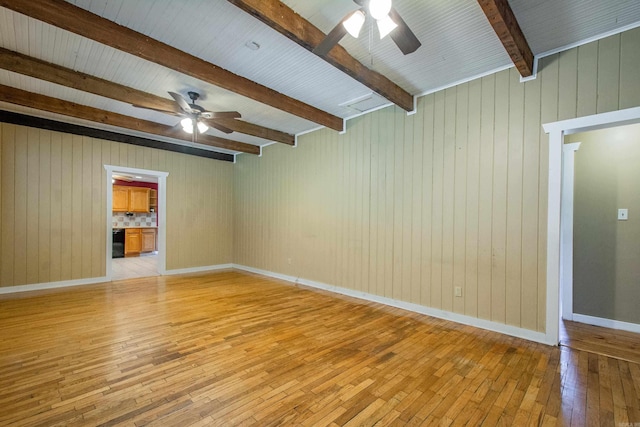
(133, 267)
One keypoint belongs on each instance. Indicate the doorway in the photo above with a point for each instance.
(601, 247)
(148, 262)
(558, 259)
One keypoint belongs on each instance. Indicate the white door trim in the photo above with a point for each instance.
(162, 213)
(566, 229)
(556, 131)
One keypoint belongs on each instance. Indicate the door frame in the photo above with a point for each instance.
(556, 256)
(566, 230)
(162, 213)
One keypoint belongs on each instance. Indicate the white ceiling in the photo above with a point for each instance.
(457, 44)
(130, 177)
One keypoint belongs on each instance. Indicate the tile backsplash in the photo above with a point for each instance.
(120, 220)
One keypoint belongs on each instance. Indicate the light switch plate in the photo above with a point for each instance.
(623, 214)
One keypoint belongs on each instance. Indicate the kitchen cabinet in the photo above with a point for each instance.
(132, 242)
(131, 199)
(139, 240)
(138, 199)
(153, 200)
(120, 198)
(148, 240)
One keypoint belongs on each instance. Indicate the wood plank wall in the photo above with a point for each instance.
(410, 207)
(53, 202)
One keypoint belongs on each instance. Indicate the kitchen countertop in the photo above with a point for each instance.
(133, 226)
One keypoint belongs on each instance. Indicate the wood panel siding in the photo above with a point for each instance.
(411, 207)
(53, 205)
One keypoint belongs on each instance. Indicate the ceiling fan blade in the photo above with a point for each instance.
(219, 127)
(332, 38)
(403, 36)
(176, 128)
(224, 115)
(182, 102)
(173, 113)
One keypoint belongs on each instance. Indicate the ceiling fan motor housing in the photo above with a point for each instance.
(194, 97)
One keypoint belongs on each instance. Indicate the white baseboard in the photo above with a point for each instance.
(93, 280)
(198, 269)
(606, 323)
(52, 285)
(429, 311)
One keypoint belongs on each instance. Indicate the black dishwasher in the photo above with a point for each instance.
(118, 243)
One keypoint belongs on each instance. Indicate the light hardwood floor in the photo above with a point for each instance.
(230, 348)
(608, 342)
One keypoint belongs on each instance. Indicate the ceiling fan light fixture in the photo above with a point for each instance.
(354, 23)
(187, 125)
(379, 8)
(385, 26)
(202, 128)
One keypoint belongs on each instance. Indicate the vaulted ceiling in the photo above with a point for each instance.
(87, 61)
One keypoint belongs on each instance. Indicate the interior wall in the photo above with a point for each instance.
(606, 271)
(53, 205)
(411, 207)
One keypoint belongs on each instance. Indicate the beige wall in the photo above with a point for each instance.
(606, 252)
(409, 207)
(53, 202)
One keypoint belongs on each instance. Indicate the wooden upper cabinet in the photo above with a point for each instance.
(130, 199)
(153, 200)
(138, 199)
(120, 198)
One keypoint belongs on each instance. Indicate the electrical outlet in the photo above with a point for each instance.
(623, 214)
(289, 261)
(458, 291)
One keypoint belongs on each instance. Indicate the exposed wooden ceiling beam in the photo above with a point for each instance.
(255, 130)
(506, 26)
(283, 19)
(86, 24)
(39, 69)
(59, 106)
(108, 135)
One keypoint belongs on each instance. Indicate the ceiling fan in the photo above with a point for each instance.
(196, 118)
(387, 18)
